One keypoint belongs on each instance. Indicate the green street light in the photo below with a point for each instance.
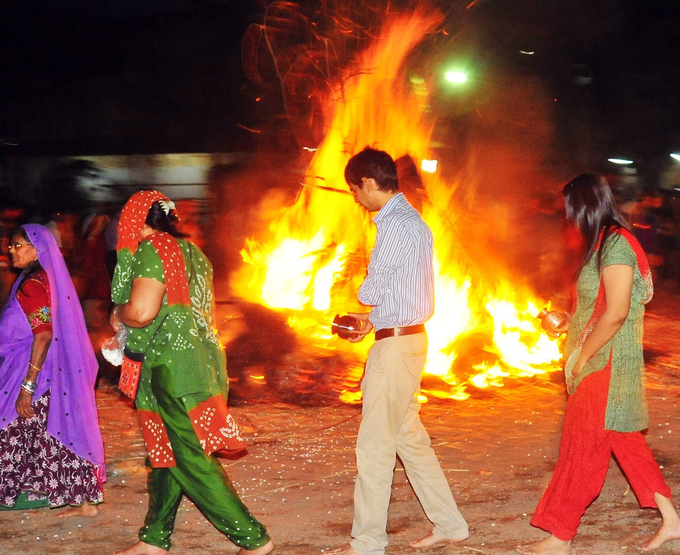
(456, 77)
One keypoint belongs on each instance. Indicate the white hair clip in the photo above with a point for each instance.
(167, 205)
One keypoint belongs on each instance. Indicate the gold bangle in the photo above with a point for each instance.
(33, 366)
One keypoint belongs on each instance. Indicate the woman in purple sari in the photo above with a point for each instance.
(51, 449)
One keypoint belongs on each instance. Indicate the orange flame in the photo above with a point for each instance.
(313, 258)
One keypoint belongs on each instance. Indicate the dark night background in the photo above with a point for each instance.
(150, 76)
(83, 77)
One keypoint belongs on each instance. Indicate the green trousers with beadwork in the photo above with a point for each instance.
(202, 479)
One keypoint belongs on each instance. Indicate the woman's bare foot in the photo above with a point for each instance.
(83, 510)
(668, 532)
(549, 546)
(141, 548)
(434, 541)
(670, 525)
(268, 548)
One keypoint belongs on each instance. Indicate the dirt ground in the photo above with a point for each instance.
(498, 450)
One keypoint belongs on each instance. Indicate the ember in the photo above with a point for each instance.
(311, 261)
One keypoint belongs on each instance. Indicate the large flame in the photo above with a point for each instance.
(313, 258)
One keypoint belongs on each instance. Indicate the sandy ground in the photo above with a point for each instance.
(498, 450)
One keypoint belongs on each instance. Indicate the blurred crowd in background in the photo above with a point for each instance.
(87, 238)
(654, 216)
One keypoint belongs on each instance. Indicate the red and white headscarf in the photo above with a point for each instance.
(132, 220)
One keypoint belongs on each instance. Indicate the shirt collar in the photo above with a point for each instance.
(389, 207)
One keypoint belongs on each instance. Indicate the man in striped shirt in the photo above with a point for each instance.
(399, 286)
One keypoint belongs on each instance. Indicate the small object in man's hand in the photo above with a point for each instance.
(345, 326)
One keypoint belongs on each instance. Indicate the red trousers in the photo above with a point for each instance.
(585, 450)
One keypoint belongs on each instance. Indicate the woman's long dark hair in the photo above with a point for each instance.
(590, 206)
(160, 221)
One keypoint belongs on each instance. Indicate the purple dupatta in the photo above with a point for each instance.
(70, 368)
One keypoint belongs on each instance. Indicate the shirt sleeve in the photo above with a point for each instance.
(147, 263)
(34, 298)
(393, 247)
(617, 250)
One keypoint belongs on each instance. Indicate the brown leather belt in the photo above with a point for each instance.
(406, 330)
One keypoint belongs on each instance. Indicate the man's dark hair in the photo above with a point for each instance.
(372, 164)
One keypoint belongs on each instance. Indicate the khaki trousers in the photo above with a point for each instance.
(391, 427)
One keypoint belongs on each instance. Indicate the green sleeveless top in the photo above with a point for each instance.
(627, 404)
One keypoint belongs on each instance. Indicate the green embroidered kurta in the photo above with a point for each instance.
(174, 338)
(182, 356)
(177, 340)
(626, 405)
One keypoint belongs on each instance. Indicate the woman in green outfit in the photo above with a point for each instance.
(163, 293)
(606, 410)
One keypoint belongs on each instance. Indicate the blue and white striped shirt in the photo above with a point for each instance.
(399, 284)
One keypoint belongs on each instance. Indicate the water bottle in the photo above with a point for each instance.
(113, 347)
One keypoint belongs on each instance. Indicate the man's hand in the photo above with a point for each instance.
(364, 330)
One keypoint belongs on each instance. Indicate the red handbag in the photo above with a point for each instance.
(130, 371)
